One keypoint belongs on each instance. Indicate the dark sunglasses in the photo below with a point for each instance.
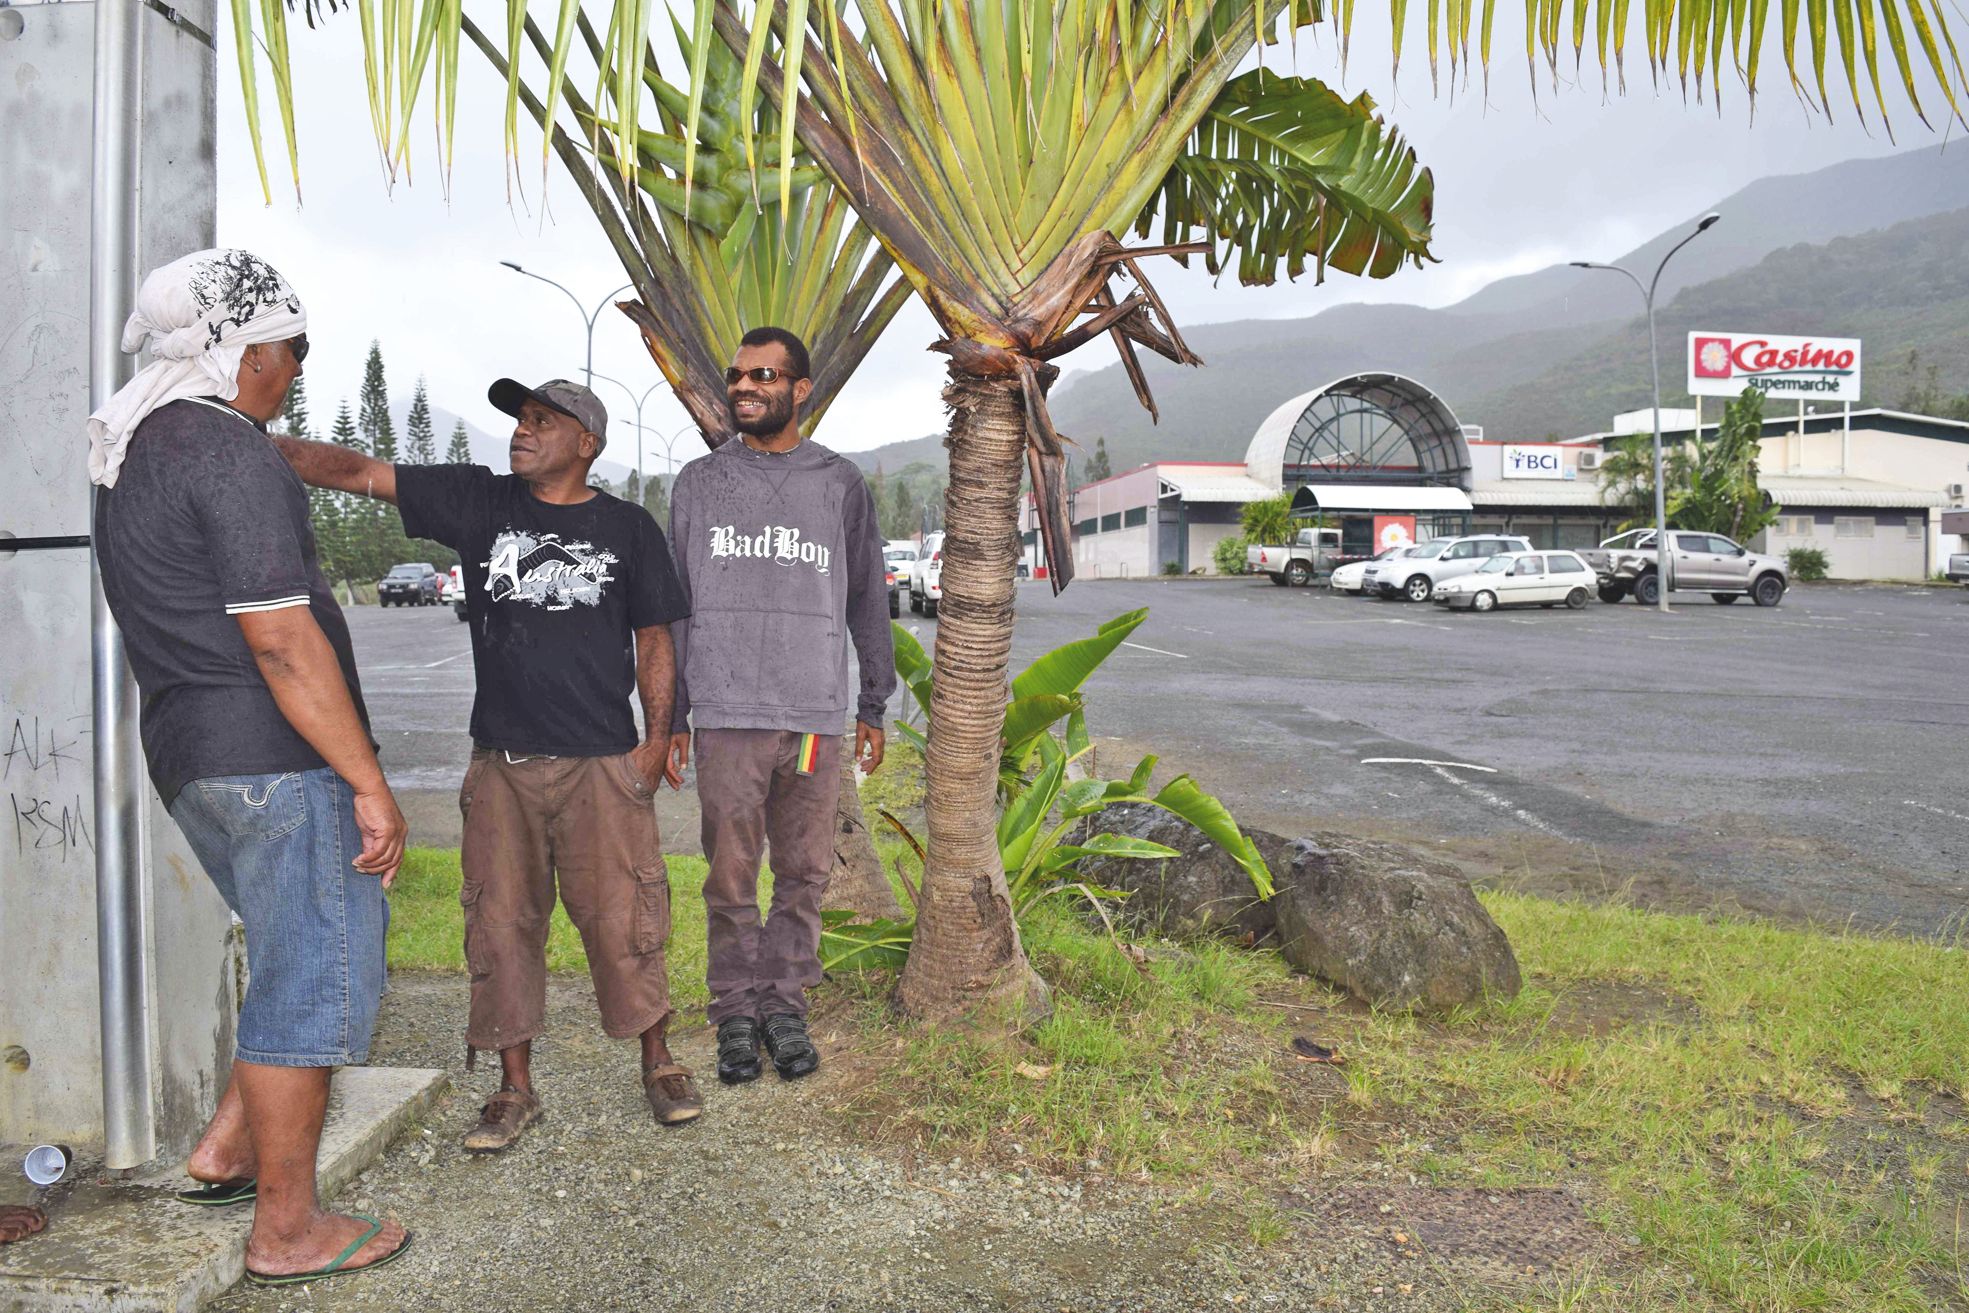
(763, 374)
(299, 347)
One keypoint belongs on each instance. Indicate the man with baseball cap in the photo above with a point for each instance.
(570, 593)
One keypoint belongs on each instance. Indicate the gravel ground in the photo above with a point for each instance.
(769, 1202)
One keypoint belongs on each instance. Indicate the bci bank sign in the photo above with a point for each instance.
(1544, 462)
(1805, 368)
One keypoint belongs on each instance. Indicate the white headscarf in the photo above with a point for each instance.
(198, 314)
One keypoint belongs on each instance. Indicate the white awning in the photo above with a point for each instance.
(1835, 491)
(1583, 493)
(1382, 497)
(1229, 485)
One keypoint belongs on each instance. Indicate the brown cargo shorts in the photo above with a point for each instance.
(588, 824)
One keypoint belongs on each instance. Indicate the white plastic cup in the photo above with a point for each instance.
(47, 1163)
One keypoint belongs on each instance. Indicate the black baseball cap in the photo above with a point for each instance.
(559, 394)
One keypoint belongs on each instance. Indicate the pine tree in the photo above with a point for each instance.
(632, 488)
(1098, 467)
(343, 434)
(293, 419)
(379, 432)
(460, 450)
(420, 445)
(656, 500)
(902, 515)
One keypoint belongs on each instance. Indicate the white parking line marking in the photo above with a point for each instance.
(1143, 647)
(1504, 805)
(1424, 761)
(448, 660)
(1939, 811)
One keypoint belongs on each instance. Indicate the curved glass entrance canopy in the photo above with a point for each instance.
(1364, 429)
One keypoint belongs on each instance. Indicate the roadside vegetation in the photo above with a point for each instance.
(1756, 1116)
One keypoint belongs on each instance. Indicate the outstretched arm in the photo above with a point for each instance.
(326, 465)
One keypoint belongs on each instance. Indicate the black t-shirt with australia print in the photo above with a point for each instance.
(554, 595)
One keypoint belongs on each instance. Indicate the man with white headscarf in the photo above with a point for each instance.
(254, 729)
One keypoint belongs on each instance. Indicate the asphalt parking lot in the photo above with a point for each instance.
(1803, 761)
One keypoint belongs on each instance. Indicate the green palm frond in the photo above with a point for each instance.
(1282, 168)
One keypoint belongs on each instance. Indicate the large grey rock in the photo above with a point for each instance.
(1387, 924)
(1202, 892)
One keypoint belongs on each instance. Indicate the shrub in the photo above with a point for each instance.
(1228, 554)
(1172, 568)
(1807, 564)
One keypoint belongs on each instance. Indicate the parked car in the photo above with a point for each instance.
(1521, 579)
(897, 558)
(413, 583)
(1958, 568)
(1352, 577)
(1416, 574)
(1701, 562)
(926, 577)
(1311, 553)
(453, 591)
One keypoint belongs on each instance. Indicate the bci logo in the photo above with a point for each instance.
(1535, 462)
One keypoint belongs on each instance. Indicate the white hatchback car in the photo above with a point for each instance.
(1545, 579)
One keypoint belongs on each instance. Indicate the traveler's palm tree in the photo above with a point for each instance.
(999, 149)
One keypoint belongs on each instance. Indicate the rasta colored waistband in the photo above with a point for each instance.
(809, 753)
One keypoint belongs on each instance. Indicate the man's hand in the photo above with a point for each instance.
(679, 757)
(651, 759)
(868, 748)
(383, 833)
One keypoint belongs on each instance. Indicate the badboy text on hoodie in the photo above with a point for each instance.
(776, 542)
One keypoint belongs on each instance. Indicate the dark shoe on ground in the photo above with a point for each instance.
(222, 1194)
(672, 1094)
(504, 1116)
(792, 1049)
(738, 1050)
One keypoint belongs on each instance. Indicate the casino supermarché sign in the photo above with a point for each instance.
(1805, 368)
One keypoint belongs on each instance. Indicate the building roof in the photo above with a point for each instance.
(1393, 498)
(1837, 490)
(1431, 429)
(1212, 483)
(1538, 492)
(1784, 420)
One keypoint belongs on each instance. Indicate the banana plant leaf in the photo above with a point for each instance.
(850, 945)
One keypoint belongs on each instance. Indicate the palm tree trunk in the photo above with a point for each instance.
(857, 883)
(967, 961)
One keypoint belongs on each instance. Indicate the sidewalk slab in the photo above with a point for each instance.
(129, 1247)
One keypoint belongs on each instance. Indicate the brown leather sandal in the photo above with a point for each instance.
(504, 1116)
(672, 1094)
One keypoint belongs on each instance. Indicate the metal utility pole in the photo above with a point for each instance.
(121, 963)
(1664, 571)
(641, 478)
(588, 319)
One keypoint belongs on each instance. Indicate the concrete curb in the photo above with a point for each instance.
(130, 1247)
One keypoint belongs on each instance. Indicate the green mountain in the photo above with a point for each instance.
(1554, 351)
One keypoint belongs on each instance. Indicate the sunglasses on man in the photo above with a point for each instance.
(763, 374)
(298, 346)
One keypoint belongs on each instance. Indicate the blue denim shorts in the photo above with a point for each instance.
(279, 848)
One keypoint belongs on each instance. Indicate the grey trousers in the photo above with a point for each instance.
(752, 795)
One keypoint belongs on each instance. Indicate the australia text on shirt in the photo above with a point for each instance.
(543, 571)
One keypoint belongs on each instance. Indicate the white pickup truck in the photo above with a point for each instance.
(1311, 553)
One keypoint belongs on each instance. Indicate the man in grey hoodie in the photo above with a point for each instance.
(780, 555)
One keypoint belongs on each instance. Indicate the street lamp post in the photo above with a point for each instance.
(586, 318)
(592, 376)
(1664, 571)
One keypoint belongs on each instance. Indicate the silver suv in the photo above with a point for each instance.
(1416, 574)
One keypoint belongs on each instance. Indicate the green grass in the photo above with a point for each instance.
(1774, 1114)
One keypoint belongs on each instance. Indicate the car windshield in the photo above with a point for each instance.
(1495, 565)
(404, 572)
(899, 554)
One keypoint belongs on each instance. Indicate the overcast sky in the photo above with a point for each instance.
(1518, 186)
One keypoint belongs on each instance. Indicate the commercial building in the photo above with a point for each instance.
(1383, 458)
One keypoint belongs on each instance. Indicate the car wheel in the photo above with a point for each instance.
(1647, 589)
(1419, 587)
(930, 607)
(1611, 595)
(459, 609)
(1483, 602)
(1278, 580)
(915, 604)
(1724, 599)
(1298, 574)
(1576, 599)
(1767, 591)
(895, 606)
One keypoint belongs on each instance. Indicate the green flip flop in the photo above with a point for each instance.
(335, 1268)
(222, 1194)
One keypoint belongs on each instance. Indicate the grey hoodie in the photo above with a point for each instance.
(781, 559)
